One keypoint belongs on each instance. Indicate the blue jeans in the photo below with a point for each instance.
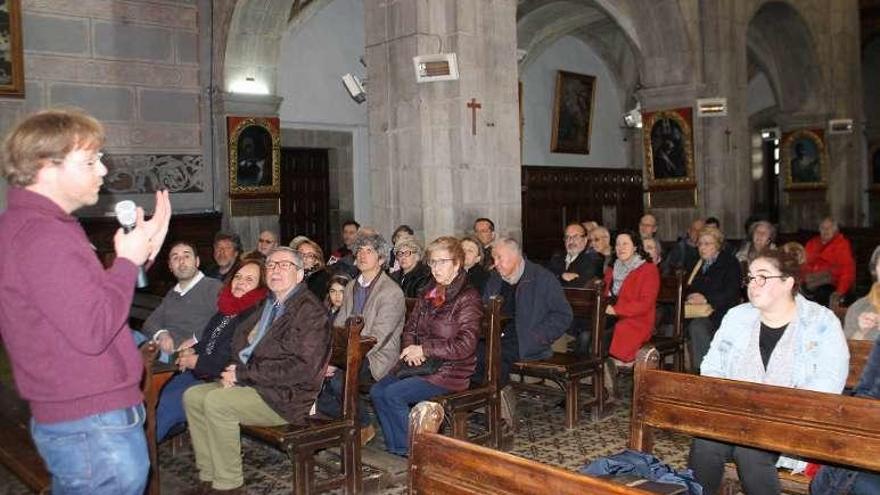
(98, 454)
(392, 399)
(169, 412)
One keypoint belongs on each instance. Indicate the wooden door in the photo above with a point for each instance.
(305, 195)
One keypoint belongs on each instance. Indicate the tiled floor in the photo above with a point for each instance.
(541, 437)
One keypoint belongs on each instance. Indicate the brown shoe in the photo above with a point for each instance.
(201, 489)
(367, 433)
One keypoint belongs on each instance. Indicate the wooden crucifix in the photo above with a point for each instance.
(474, 106)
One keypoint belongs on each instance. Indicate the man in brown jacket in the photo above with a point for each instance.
(275, 377)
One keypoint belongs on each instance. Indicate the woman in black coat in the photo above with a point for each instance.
(414, 275)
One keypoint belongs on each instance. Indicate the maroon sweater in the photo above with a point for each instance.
(63, 316)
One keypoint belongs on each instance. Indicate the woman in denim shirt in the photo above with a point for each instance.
(777, 338)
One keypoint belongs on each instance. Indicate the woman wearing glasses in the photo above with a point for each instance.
(413, 275)
(317, 276)
(439, 344)
(777, 338)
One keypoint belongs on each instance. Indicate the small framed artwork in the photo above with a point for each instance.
(11, 58)
(874, 171)
(803, 159)
(572, 113)
(254, 156)
(669, 149)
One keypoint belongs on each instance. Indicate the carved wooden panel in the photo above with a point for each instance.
(554, 196)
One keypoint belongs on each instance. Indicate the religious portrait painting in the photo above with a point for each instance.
(573, 113)
(803, 159)
(11, 58)
(254, 156)
(669, 148)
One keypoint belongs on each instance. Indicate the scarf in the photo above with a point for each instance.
(436, 296)
(622, 269)
(874, 296)
(228, 304)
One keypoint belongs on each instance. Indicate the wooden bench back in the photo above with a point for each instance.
(814, 425)
(588, 304)
(672, 288)
(859, 351)
(348, 352)
(440, 465)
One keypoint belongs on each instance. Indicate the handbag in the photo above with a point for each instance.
(704, 310)
(817, 279)
(428, 367)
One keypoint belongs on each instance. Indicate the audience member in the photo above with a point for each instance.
(779, 338)
(63, 316)
(266, 242)
(227, 249)
(830, 267)
(399, 233)
(313, 262)
(600, 241)
(376, 297)
(684, 254)
(297, 240)
(205, 360)
(439, 342)
(654, 248)
(484, 231)
(577, 267)
(275, 377)
(632, 284)
(797, 250)
(534, 300)
(713, 222)
(187, 307)
(473, 266)
(648, 227)
(713, 287)
(863, 316)
(335, 295)
(761, 236)
(414, 275)
(342, 259)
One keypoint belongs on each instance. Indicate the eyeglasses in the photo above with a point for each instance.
(405, 254)
(284, 265)
(573, 237)
(438, 262)
(311, 256)
(266, 241)
(760, 280)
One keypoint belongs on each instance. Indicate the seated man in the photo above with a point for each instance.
(535, 300)
(684, 255)
(342, 260)
(830, 267)
(227, 249)
(378, 298)
(187, 307)
(266, 242)
(648, 227)
(276, 375)
(578, 266)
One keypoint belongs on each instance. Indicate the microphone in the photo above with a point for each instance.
(126, 214)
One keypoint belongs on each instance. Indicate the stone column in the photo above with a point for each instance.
(427, 167)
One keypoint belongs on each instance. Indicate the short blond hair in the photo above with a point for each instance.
(47, 135)
(714, 233)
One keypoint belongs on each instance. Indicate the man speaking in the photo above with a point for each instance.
(63, 316)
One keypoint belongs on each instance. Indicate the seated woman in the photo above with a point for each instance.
(632, 282)
(713, 288)
(761, 236)
(440, 338)
(777, 338)
(473, 266)
(313, 261)
(204, 362)
(863, 316)
(413, 275)
(335, 294)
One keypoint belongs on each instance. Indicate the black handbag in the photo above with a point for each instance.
(428, 367)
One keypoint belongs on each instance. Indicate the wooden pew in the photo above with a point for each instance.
(672, 293)
(568, 369)
(814, 425)
(440, 465)
(301, 443)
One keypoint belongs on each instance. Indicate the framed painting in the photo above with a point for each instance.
(11, 58)
(573, 113)
(874, 171)
(254, 156)
(669, 149)
(804, 165)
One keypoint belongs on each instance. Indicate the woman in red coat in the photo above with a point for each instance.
(632, 282)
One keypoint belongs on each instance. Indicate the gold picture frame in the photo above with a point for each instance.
(11, 55)
(254, 156)
(804, 164)
(669, 149)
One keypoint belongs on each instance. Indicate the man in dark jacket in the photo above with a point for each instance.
(533, 299)
(578, 265)
(277, 372)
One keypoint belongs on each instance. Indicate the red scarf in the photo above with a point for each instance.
(436, 296)
(230, 305)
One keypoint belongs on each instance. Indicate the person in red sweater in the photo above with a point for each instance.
(63, 316)
(632, 282)
(830, 267)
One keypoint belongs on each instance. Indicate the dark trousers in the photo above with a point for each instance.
(332, 394)
(820, 295)
(756, 468)
(509, 355)
(701, 332)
